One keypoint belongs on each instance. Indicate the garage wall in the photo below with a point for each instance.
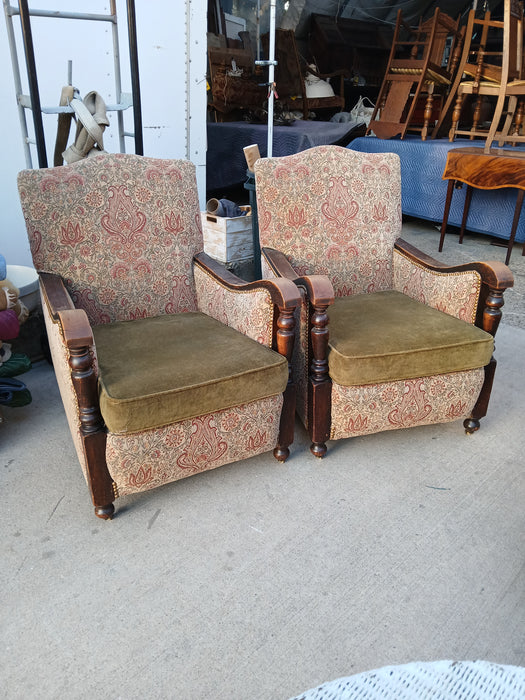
(172, 64)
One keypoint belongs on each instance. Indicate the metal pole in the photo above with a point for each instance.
(33, 84)
(271, 78)
(135, 82)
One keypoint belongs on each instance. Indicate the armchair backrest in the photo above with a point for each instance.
(121, 230)
(333, 211)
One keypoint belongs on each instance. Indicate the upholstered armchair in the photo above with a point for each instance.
(388, 337)
(167, 364)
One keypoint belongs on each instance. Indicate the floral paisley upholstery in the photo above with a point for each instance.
(336, 212)
(131, 256)
(333, 212)
(359, 410)
(147, 460)
(249, 312)
(117, 237)
(456, 293)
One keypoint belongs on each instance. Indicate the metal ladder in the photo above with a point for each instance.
(32, 101)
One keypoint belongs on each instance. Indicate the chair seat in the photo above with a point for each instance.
(388, 336)
(161, 370)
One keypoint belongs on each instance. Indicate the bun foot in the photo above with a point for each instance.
(471, 425)
(281, 454)
(318, 449)
(105, 512)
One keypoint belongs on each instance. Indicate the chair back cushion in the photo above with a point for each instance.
(389, 336)
(333, 211)
(158, 371)
(120, 229)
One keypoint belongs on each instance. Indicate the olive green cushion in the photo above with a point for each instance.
(157, 371)
(387, 336)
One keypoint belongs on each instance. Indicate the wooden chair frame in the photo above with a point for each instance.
(407, 77)
(485, 72)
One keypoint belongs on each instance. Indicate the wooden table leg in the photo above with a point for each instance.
(468, 198)
(517, 212)
(450, 190)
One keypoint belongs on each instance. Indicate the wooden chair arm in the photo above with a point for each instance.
(55, 293)
(75, 325)
(282, 291)
(495, 278)
(319, 288)
(494, 274)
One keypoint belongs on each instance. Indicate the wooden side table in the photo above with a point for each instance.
(485, 171)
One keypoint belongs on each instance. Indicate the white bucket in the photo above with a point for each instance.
(26, 279)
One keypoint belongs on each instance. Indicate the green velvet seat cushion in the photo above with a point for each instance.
(387, 336)
(161, 370)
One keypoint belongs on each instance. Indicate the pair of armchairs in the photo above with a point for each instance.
(168, 365)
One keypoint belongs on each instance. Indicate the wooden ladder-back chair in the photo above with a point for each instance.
(389, 337)
(167, 364)
(491, 60)
(422, 62)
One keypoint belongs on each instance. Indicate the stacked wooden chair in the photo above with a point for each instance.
(490, 74)
(422, 65)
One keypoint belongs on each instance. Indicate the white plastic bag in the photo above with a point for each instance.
(361, 111)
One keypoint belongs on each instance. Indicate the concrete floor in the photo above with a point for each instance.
(257, 581)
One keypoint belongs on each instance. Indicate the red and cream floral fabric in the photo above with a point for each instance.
(333, 211)
(337, 212)
(155, 457)
(359, 410)
(249, 312)
(121, 231)
(456, 293)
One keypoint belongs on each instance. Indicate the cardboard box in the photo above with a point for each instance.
(228, 239)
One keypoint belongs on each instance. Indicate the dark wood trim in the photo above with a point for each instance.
(495, 278)
(319, 383)
(493, 273)
(471, 424)
(320, 295)
(282, 291)
(284, 341)
(55, 293)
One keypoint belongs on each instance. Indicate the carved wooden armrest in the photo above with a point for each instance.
(320, 293)
(283, 294)
(228, 298)
(76, 329)
(78, 337)
(495, 277)
(318, 287)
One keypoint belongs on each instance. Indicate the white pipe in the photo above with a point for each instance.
(271, 78)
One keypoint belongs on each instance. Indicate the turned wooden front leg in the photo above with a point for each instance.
(476, 116)
(455, 117)
(491, 318)
(492, 311)
(427, 116)
(92, 431)
(285, 341)
(320, 385)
